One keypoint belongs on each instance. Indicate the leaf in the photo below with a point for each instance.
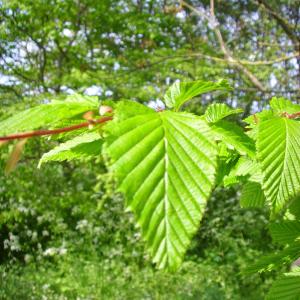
(285, 232)
(275, 260)
(181, 92)
(15, 156)
(227, 160)
(86, 145)
(234, 137)
(244, 168)
(165, 165)
(278, 147)
(287, 287)
(294, 208)
(281, 105)
(45, 114)
(252, 195)
(217, 111)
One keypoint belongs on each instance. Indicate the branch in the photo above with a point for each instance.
(287, 27)
(241, 61)
(227, 54)
(53, 131)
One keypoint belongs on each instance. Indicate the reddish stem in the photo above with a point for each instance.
(291, 116)
(53, 131)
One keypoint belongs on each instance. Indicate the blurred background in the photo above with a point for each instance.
(63, 231)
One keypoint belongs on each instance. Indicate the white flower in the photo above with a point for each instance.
(50, 252)
(45, 233)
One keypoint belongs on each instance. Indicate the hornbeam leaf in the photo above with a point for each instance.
(165, 165)
(287, 287)
(275, 260)
(217, 111)
(252, 195)
(285, 232)
(282, 105)
(181, 92)
(233, 136)
(244, 168)
(278, 147)
(46, 114)
(86, 145)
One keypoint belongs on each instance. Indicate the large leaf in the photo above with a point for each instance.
(234, 137)
(217, 111)
(285, 232)
(181, 92)
(47, 114)
(287, 287)
(165, 164)
(252, 195)
(83, 146)
(278, 148)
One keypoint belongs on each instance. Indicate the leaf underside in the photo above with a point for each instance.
(165, 164)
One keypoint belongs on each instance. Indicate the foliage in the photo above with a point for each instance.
(165, 164)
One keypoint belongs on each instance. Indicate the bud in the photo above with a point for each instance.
(104, 109)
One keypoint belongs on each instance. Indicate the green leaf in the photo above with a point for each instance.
(234, 137)
(86, 145)
(165, 165)
(181, 92)
(285, 232)
(287, 287)
(278, 147)
(217, 111)
(281, 105)
(227, 160)
(46, 114)
(252, 195)
(275, 260)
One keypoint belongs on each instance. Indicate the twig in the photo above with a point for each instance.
(291, 116)
(53, 131)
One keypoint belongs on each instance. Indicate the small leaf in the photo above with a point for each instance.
(218, 111)
(86, 145)
(45, 114)
(252, 195)
(15, 156)
(244, 169)
(275, 260)
(234, 137)
(285, 232)
(181, 92)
